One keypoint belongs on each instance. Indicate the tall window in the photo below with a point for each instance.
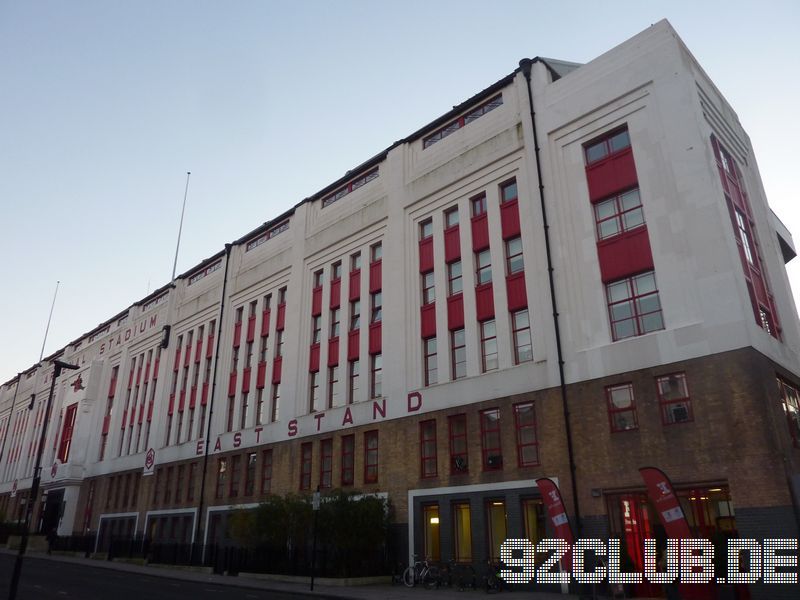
(673, 398)
(508, 191)
(222, 476)
(790, 400)
(428, 289)
(250, 474)
(355, 315)
(491, 447)
(191, 482)
(458, 345)
(478, 205)
(454, 281)
(620, 213)
(306, 457)
(514, 261)
(610, 144)
(352, 381)
(266, 471)
(318, 277)
(451, 217)
(483, 267)
(431, 371)
(634, 306)
(313, 399)
(376, 304)
(425, 229)
(334, 323)
(316, 329)
(489, 345)
(462, 532)
(333, 386)
(527, 444)
(371, 456)
(521, 328)
(276, 401)
(279, 343)
(376, 376)
(621, 407)
(375, 252)
(326, 463)
(236, 473)
(427, 448)
(355, 261)
(336, 271)
(348, 459)
(459, 458)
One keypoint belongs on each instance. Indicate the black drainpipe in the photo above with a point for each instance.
(198, 531)
(525, 66)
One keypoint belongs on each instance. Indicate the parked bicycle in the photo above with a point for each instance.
(492, 581)
(459, 574)
(422, 572)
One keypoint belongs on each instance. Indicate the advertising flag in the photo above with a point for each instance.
(554, 505)
(662, 495)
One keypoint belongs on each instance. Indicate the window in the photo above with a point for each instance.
(333, 386)
(620, 213)
(454, 282)
(478, 204)
(348, 459)
(430, 532)
(673, 397)
(459, 459)
(276, 400)
(191, 482)
(489, 346)
(428, 288)
(426, 229)
(458, 345)
(514, 261)
(313, 395)
(462, 532)
(462, 121)
(371, 456)
(355, 315)
(350, 187)
(279, 343)
(318, 277)
(496, 527)
(527, 444)
(790, 399)
(375, 252)
(305, 466)
(427, 448)
(376, 376)
(316, 329)
(250, 474)
(431, 372)
(613, 142)
(451, 217)
(282, 296)
(508, 191)
(490, 439)
(236, 473)
(521, 329)
(633, 306)
(352, 378)
(483, 267)
(621, 407)
(355, 261)
(334, 323)
(222, 468)
(336, 271)
(741, 224)
(326, 463)
(376, 303)
(266, 471)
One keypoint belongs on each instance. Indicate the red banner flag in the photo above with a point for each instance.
(662, 495)
(551, 496)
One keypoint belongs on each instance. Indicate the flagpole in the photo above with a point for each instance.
(47, 329)
(180, 227)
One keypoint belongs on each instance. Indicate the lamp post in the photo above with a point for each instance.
(23, 543)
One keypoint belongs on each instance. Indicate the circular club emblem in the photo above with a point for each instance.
(54, 469)
(150, 459)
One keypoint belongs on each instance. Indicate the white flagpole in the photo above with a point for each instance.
(180, 227)
(47, 329)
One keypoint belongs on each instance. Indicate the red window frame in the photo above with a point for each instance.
(515, 263)
(623, 212)
(451, 217)
(521, 333)
(490, 358)
(371, 456)
(478, 205)
(430, 361)
(353, 377)
(626, 300)
(335, 318)
(306, 464)
(376, 307)
(427, 449)
(527, 440)
(336, 271)
(462, 121)
(508, 191)
(348, 459)
(457, 434)
(491, 440)
(266, 471)
(426, 229)
(674, 399)
(333, 380)
(376, 376)
(326, 463)
(621, 417)
(455, 282)
(66, 433)
(483, 267)
(608, 145)
(458, 353)
(428, 288)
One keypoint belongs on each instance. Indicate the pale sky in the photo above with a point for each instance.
(104, 106)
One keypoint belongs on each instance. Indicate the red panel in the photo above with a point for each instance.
(480, 232)
(614, 174)
(177, 364)
(232, 384)
(125, 413)
(428, 320)
(375, 338)
(237, 334)
(375, 276)
(355, 285)
(515, 288)
(455, 312)
(484, 301)
(204, 395)
(209, 346)
(193, 396)
(276, 370)
(106, 423)
(197, 351)
(155, 369)
(509, 219)
(426, 255)
(336, 293)
(625, 255)
(333, 352)
(316, 302)
(313, 358)
(246, 380)
(112, 389)
(181, 400)
(452, 244)
(279, 324)
(170, 408)
(261, 375)
(150, 411)
(188, 355)
(265, 323)
(138, 375)
(251, 328)
(141, 412)
(352, 344)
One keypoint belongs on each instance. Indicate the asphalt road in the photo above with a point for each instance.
(51, 580)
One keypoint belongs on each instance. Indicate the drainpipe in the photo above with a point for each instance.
(198, 531)
(525, 66)
(10, 416)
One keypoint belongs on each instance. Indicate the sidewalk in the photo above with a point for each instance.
(367, 592)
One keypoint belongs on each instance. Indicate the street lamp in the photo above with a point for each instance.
(37, 477)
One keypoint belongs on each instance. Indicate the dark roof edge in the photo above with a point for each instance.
(203, 264)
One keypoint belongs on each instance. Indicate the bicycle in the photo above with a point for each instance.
(462, 574)
(422, 572)
(492, 581)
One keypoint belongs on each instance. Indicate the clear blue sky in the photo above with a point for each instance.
(105, 105)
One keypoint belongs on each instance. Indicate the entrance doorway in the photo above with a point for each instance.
(52, 511)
